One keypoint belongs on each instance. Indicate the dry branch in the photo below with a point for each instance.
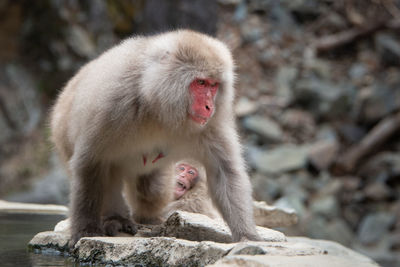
(336, 40)
(375, 138)
(339, 39)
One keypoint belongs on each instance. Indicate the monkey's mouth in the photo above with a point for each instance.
(199, 119)
(181, 186)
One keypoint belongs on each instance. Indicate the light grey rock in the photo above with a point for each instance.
(294, 261)
(377, 191)
(326, 205)
(241, 12)
(263, 126)
(294, 187)
(284, 82)
(333, 254)
(198, 227)
(245, 107)
(382, 251)
(315, 227)
(81, 42)
(319, 67)
(294, 202)
(281, 18)
(165, 251)
(324, 183)
(331, 187)
(252, 29)
(49, 239)
(335, 249)
(299, 123)
(338, 230)
(271, 217)
(324, 98)
(358, 71)
(155, 251)
(162, 251)
(269, 56)
(265, 188)
(323, 153)
(281, 159)
(62, 226)
(169, 251)
(374, 225)
(275, 248)
(270, 235)
(377, 101)
(326, 133)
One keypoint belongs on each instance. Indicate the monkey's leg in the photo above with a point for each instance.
(116, 214)
(230, 189)
(86, 198)
(148, 195)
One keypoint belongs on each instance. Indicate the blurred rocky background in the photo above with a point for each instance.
(318, 100)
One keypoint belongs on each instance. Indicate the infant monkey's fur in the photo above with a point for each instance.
(142, 105)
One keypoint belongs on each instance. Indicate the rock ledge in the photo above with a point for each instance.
(195, 240)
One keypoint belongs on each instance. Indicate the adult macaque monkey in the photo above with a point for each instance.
(137, 108)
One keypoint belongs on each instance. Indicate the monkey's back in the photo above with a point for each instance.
(90, 94)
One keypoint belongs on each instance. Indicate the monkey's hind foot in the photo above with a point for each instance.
(86, 232)
(114, 224)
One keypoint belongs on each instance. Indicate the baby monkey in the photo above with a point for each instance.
(186, 178)
(191, 193)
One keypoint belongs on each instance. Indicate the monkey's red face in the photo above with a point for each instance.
(185, 179)
(203, 93)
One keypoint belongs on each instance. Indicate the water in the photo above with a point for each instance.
(16, 230)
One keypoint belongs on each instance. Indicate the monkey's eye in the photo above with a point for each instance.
(214, 84)
(191, 172)
(201, 82)
(182, 168)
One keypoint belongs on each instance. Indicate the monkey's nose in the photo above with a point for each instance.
(208, 109)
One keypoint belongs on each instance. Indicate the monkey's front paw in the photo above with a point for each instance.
(114, 224)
